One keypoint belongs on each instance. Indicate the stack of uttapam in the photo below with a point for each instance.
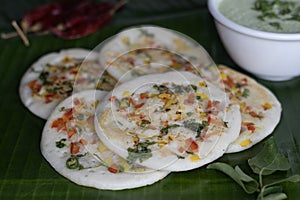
(148, 102)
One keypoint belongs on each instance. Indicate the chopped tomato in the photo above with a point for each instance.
(131, 101)
(209, 104)
(71, 132)
(166, 123)
(113, 169)
(130, 60)
(250, 126)
(83, 141)
(228, 81)
(144, 96)
(74, 148)
(243, 82)
(112, 98)
(190, 100)
(192, 145)
(49, 97)
(59, 124)
(34, 86)
(68, 114)
(73, 71)
(90, 120)
(181, 149)
(256, 115)
(76, 101)
(213, 120)
(139, 105)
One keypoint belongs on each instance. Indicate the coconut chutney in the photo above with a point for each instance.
(264, 15)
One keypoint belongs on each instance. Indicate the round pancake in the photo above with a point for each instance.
(260, 109)
(71, 146)
(131, 40)
(172, 121)
(144, 61)
(51, 78)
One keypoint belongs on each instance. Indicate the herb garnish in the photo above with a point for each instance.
(43, 76)
(139, 152)
(195, 126)
(165, 130)
(277, 10)
(246, 93)
(266, 162)
(162, 89)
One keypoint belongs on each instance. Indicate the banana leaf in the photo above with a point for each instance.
(25, 174)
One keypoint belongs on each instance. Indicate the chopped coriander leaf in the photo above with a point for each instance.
(139, 152)
(146, 33)
(43, 76)
(194, 87)
(80, 117)
(276, 25)
(195, 126)
(162, 88)
(165, 130)
(144, 123)
(124, 103)
(276, 9)
(246, 93)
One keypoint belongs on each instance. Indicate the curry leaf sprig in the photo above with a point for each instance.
(275, 11)
(268, 161)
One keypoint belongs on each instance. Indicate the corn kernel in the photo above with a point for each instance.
(202, 96)
(245, 143)
(181, 107)
(267, 106)
(125, 165)
(164, 96)
(171, 137)
(170, 102)
(126, 93)
(202, 84)
(101, 147)
(223, 76)
(125, 40)
(194, 157)
(161, 143)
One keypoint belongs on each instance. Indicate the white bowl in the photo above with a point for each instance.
(270, 56)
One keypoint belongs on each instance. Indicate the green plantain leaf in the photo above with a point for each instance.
(269, 190)
(275, 196)
(269, 159)
(294, 178)
(249, 184)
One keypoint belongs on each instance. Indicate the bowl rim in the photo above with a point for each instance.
(212, 6)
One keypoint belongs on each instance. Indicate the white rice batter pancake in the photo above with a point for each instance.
(146, 61)
(172, 121)
(70, 144)
(260, 109)
(134, 39)
(51, 78)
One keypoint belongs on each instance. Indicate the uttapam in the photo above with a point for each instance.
(69, 143)
(131, 40)
(172, 121)
(259, 107)
(51, 79)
